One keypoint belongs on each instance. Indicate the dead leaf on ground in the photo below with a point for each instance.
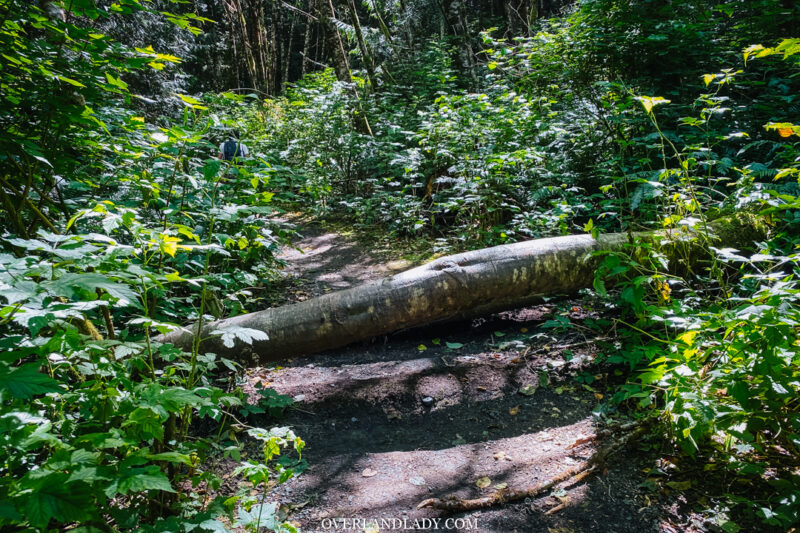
(528, 390)
(500, 456)
(368, 472)
(483, 482)
(297, 506)
(501, 486)
(514, 411)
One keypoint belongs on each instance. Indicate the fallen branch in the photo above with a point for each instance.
(548, 348)
(576, 474)
(557, 508)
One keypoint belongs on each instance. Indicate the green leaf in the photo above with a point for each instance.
(192, 102)
(214, 526)
(75, 285)
(51, 497)
(26, 381)
(145, 423)
(71, 81)
(8, 511)
(88, 475)
(649, 102)
(139, 480)
(246, 335)
(116, 82)
(171, 457)
(211, 168)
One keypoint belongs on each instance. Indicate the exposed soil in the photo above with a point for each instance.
(408, 416)
(321, 261)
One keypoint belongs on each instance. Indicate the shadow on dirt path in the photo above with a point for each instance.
(322, 260)
(429, 412)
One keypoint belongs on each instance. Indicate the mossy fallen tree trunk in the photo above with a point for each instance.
(450, 288)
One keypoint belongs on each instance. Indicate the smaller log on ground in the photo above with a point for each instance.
(453, 287)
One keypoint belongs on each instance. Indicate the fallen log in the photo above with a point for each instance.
(454, 287)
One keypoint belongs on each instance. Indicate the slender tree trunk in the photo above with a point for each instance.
(362, 45)
(318, 49)
(264, 50)
(454, 14)
(306, 48)
(325, 12)
(383, 27)
(239, 22)
(287, 56)
(248, 18)
(518, 16)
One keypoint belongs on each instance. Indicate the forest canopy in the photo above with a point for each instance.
(445, 125)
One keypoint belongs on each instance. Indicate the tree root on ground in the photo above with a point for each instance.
(576, 474)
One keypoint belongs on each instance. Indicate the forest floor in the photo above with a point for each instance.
(407, 417)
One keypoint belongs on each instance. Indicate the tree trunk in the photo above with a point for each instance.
(452, 287)
(248, 19)
(362, 45)
(326, 13)
(454, 13)
(287, 56)
(306, 48)
(383, 27)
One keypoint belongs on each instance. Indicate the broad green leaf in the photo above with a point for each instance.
(171, 457)
(116, 82)
(8, 511)
(649, 102)
(52, 497)
(246, 335)
(214, 526)
(74, 285)
(191, 102)
(139, 480)
(71, 81)
(26, 381)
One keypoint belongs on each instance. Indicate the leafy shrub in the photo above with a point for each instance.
(724, 370)
(116, 225)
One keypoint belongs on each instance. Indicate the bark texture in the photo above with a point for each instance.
(453, 287)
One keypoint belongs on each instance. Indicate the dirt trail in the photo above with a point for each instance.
(428, 412)
(322, 261)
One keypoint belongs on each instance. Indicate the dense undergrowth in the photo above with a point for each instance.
(117, 225)
(556, 144)
(120, 223)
